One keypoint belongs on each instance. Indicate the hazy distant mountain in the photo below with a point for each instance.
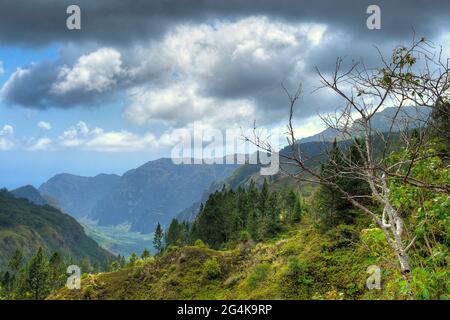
(27, 226)
(156, 192)
(381, 122)
(30, 193)
(77, 195)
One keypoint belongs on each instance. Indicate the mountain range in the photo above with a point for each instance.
(407, 117)
(154, 192)
(160, 190)
(76, 195)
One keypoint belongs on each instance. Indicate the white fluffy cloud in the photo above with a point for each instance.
(44, 125)
(41, 144)
(97, 139)
(96, 72)
(181, 104)
(6, 138)
(221, 71)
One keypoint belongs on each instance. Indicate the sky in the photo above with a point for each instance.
(117, 93)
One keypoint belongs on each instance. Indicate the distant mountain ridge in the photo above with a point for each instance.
(30, 193)
(381, 122)
(154, 192)
(76, 195)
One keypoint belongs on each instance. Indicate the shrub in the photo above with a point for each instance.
(296, 266)
(245, 236)
(200, 243)
(211, 268)
(258, 275)
(233, 280)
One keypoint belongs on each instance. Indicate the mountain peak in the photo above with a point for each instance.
(30, 193)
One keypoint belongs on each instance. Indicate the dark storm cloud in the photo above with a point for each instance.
(119, 22)
(123, 25)
(32, 87)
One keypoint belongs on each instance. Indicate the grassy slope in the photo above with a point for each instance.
(262, 271)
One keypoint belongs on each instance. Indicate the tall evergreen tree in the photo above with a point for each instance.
(333, 208)
(57, 274)
(297, 210)
(37, 277)
(174, 234)
(133, 259)
(158, 238)
(16, 261)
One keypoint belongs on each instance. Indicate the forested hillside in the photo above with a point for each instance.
(28, 226)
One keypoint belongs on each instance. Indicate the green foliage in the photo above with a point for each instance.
(16, 261)
(133, 259)
(375, 240)
(212, 269)
(261, 215)
(200, 243)
(296, 281)
(57, 271)
(429, 212)
(145, 254)
(35, 283)
(244, 236)
(331, 209)
(258, 275)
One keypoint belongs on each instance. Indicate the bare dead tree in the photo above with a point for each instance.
(413, 77)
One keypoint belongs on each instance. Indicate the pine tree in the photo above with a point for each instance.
(253, 211)
(86, 266)
(264, 197)
(16, 261)
(297, 210)
(174, 234)
(9, 279)
(272, 217)
(133, 259)
(157, 239)
(37, 276)
(6, 284)
(209, 225)
(145, 254)
(122, 262)
(333, 208)
(57, 275)
(329, 202)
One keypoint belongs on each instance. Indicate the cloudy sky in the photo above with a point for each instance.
(117, 93)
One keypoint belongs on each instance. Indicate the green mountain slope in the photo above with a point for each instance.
(26, 226)
(301, 264)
